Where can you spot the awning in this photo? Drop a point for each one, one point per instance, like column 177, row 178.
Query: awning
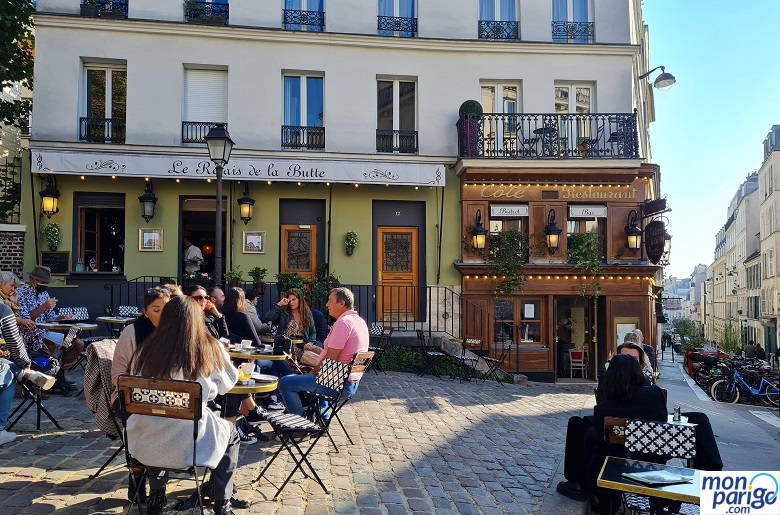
column 246, row 168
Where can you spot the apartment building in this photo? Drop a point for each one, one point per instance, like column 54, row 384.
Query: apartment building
column 770, row 238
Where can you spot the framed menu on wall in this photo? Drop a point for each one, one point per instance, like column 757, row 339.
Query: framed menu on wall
column 57, row 260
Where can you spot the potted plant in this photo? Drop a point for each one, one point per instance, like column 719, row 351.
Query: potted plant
column 89, row 8
column 201, row 278
column 469, row 113
column 53, row 234
column 286, row 282
column 350, row 242
column 234, row 277
column 258, row 279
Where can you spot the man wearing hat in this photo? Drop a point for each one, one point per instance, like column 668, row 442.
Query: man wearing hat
column 36, row 304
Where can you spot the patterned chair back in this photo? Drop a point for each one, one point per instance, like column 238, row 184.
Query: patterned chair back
column 473, row 342
column 64, row 311
column 376, row 330
column 81, row 313
column 333, row 374
column 661, row 438
column 128, row 311
column 615, row 430
column 167, row 398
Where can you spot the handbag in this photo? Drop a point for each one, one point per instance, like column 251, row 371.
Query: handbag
column 282, row 345
column 310, row 358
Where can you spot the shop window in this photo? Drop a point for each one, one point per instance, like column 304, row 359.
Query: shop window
column 100, row 234
column 523, row 315
column 530, row 321
column 509, row 217
column 590, row 220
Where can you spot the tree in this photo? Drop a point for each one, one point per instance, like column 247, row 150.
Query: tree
column 729, row 339
column 16, row 56
column 684, row 327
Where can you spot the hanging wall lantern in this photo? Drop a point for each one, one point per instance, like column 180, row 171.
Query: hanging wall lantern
column 479, row 233
column 148, row 202
column 246, row 205
column 633, row 232
column 50, row 197
column 552, row 232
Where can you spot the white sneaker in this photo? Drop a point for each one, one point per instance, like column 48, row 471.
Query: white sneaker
column 6, row 436
column 40, row 379
column 276, row 406
column 245, row 438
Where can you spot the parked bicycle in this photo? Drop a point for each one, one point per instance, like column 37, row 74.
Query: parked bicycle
column 750, row 380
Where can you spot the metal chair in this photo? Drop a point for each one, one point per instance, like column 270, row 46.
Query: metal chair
column 128, row 311
column 465, row 362
column 166, row 398
column 383, row 342
column 494, row 364
column 578, row 359
column 430, row 355
column 31, row 396
column 292, row 429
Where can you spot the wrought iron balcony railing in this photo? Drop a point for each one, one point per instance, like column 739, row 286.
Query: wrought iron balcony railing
column 548, row 136
column 392, row 25
column 403, row 142
column 105, row 8
column 313, row 21
column 206, row 13
column 195, row 132
column 572, row 31
column 298, row 137
column 500, row 30
column 102, row 130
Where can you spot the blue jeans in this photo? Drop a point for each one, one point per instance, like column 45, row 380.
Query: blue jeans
column 290, row 387
column 8, row 374
column 277, row 367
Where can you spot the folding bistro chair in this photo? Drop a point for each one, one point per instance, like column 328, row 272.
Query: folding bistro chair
column 166, row 398
column 292, row 429
column 465, row 362
column 494, row 364
column 382, row 343
column 578, row 360
column 128, row 311
column 31, row 396
column 430, row 356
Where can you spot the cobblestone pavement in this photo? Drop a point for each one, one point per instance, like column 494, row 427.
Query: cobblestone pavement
column 421, row 445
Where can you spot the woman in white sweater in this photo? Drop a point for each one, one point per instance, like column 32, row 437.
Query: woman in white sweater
column 181, row 348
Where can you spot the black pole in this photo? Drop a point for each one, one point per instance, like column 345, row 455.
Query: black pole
column 441, row 223
column 218, row 236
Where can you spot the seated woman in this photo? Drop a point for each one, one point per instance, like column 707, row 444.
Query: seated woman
column 292, row 317
column 215, row 321
column 181, row 348
column 238, row 321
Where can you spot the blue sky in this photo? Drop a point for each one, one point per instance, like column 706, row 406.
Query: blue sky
column 710, row 126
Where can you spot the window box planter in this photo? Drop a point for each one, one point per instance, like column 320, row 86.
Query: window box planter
column 89, row 10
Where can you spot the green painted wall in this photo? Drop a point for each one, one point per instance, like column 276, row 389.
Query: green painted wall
column 351, row 211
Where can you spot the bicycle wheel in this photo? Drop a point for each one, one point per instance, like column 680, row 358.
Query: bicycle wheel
column 720, row 391
column 772, row 397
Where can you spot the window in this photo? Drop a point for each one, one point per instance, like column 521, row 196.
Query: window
column 105, row 104
column 498, row 20
column 205, row 102
column 397, row 17
column 308, row 15
column 501, row 135
column 396, row 118
column 573, row 98
column 576, row 133
column 570, row 21
column 99, row 219
column 303, row 112
column 588, row 219
column 509, row 217
column 769, row 263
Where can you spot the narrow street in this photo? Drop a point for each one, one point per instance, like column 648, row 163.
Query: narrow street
column 748, row 436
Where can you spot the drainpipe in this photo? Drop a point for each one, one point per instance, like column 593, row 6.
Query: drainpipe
column 441, row 222
column 34, row 217
column 330, row 211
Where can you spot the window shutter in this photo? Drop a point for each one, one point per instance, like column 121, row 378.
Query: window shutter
column 205, row 95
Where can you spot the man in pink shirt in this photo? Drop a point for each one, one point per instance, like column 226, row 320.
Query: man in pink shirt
column 348, row 336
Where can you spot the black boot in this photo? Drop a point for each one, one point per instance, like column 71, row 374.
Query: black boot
column 222, row 507
column 157, row 502
column 137, row 484
column 239, row 504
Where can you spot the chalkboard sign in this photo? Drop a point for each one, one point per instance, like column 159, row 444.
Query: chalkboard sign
column 57, row 260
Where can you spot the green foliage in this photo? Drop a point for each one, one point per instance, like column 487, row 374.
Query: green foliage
column 16, row 56
column 509, row 252
column 234, row 274
column 583, row 252
column 684, row 327
column 407, row 359
column 257, row 274
column 53, row 234
column 729, row 339
column 470, row 107
column 286, row 282
column 10, row 198
column 319, row 289
column 351, row 241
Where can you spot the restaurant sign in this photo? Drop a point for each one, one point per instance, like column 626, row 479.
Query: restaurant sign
column 587, row 211
column 655, row 241
column 187, row 166
column 508, row 210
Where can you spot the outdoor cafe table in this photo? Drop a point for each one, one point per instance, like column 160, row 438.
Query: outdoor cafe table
column 256, row 355
column 264, row 387
column 121, row 321
column 611, row 477
column 58, row 326
column 270, row 339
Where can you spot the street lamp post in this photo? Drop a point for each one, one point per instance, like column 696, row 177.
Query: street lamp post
column 220, row 145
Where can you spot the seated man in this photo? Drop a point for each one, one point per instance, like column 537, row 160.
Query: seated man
column 36, row 304
column 348, row 337
column 649, row 350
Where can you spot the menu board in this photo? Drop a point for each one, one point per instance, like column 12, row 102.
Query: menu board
column 57, row 260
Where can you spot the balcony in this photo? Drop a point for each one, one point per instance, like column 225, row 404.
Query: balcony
column 206, row 13
column 499, row 30
column 195, row 132
column 548, row 136
column 312, row 21
column 572, row 31
column 102, row 130
column 396, row 26
column 104, row 9
column 401, row 142
column 296, row 137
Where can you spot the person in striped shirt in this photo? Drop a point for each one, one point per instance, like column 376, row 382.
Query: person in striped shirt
column 14, row 361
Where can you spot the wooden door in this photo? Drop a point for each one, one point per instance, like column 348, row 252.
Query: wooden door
column 299, row 250
column 397, row 290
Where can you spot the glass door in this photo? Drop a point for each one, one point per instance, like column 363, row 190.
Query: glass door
column 500, row 134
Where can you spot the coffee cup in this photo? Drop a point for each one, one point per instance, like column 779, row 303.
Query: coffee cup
column 246, row 344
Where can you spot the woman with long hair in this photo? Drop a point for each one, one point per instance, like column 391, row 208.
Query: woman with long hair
column 181, row 348
column 238, row 321
column 292, row 316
